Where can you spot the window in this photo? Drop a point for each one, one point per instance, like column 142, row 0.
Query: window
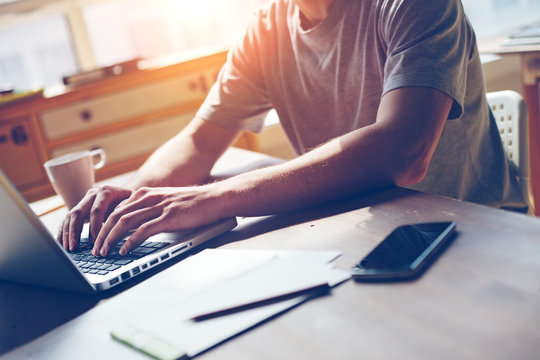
column 62, row 37
column 120, row 30
column 36, row 54
column 497, row 17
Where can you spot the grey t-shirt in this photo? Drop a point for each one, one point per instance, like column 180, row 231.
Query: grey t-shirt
column 328, row 80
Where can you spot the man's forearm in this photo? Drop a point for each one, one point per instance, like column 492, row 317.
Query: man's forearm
column 334, row 170
column 396, row 150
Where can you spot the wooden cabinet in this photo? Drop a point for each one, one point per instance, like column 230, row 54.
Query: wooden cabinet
column 19, row 157
column 108, row 109
column 130, row 142
column 128, row 115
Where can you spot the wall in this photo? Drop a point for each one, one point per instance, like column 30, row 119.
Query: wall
column 502, row 73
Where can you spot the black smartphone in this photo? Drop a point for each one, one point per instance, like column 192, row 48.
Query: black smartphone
column 405, row 253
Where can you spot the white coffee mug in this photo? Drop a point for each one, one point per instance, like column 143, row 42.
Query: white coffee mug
column 72, row 175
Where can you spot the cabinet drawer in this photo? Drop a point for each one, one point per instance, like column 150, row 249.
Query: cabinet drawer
column 19, row 159
column 102, row 110
column 132, row 142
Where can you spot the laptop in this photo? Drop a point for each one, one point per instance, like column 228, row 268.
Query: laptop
column 29, row 254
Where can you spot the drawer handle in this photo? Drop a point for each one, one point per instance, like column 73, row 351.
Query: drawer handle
column 19, row 135
column 198, row 84
column 86, row 115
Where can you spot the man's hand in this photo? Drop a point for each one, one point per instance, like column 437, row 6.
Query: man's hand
column 96, row 205
column 185, row 159
column 150, row 211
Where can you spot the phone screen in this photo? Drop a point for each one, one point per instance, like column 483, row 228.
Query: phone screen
column 404, row 252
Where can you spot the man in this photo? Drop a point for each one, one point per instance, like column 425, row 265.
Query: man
column 364, row 90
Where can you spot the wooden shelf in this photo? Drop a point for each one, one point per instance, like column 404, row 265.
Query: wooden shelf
column 129, row 115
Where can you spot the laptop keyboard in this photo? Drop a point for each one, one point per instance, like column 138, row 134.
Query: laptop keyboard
column 90, row 264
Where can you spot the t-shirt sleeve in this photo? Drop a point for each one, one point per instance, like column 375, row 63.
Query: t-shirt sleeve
column 238, row 99
column 428, row 44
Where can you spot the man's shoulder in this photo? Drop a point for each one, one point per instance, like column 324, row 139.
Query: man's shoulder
column 270, row 13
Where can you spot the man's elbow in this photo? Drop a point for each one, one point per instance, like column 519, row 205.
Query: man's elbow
column 412, row 172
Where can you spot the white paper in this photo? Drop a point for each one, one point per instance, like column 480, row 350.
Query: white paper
column 274, row 278
column 160, row 306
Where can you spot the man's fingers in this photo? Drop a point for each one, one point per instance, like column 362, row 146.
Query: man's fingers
column 128, row 215
column 150, row 228
column 119, row 223
column 74, row 221
column 106, row 199
column 97, row 215
column 65, row 234
column 75, row 226
column 96, row 204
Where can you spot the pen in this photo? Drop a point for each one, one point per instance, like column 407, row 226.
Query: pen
column 309, row 293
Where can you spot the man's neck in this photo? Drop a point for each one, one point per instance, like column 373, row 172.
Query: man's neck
column 313, row 11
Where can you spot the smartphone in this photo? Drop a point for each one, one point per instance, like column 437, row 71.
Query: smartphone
column 405, row 253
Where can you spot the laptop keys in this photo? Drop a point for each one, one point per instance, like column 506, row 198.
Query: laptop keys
column 90, row 264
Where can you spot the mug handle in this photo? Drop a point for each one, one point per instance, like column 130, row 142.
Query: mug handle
column 102, row 157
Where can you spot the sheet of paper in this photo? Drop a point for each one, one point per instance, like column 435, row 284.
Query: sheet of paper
column 274, row 278
column 157, row 306
column 270, row 269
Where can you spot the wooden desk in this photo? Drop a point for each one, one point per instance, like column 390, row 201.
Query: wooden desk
column 530, row 75
column 480, row 300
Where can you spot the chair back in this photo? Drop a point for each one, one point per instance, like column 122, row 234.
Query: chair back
column 510, row 113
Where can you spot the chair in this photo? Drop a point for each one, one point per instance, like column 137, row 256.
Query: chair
column 510, row 114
